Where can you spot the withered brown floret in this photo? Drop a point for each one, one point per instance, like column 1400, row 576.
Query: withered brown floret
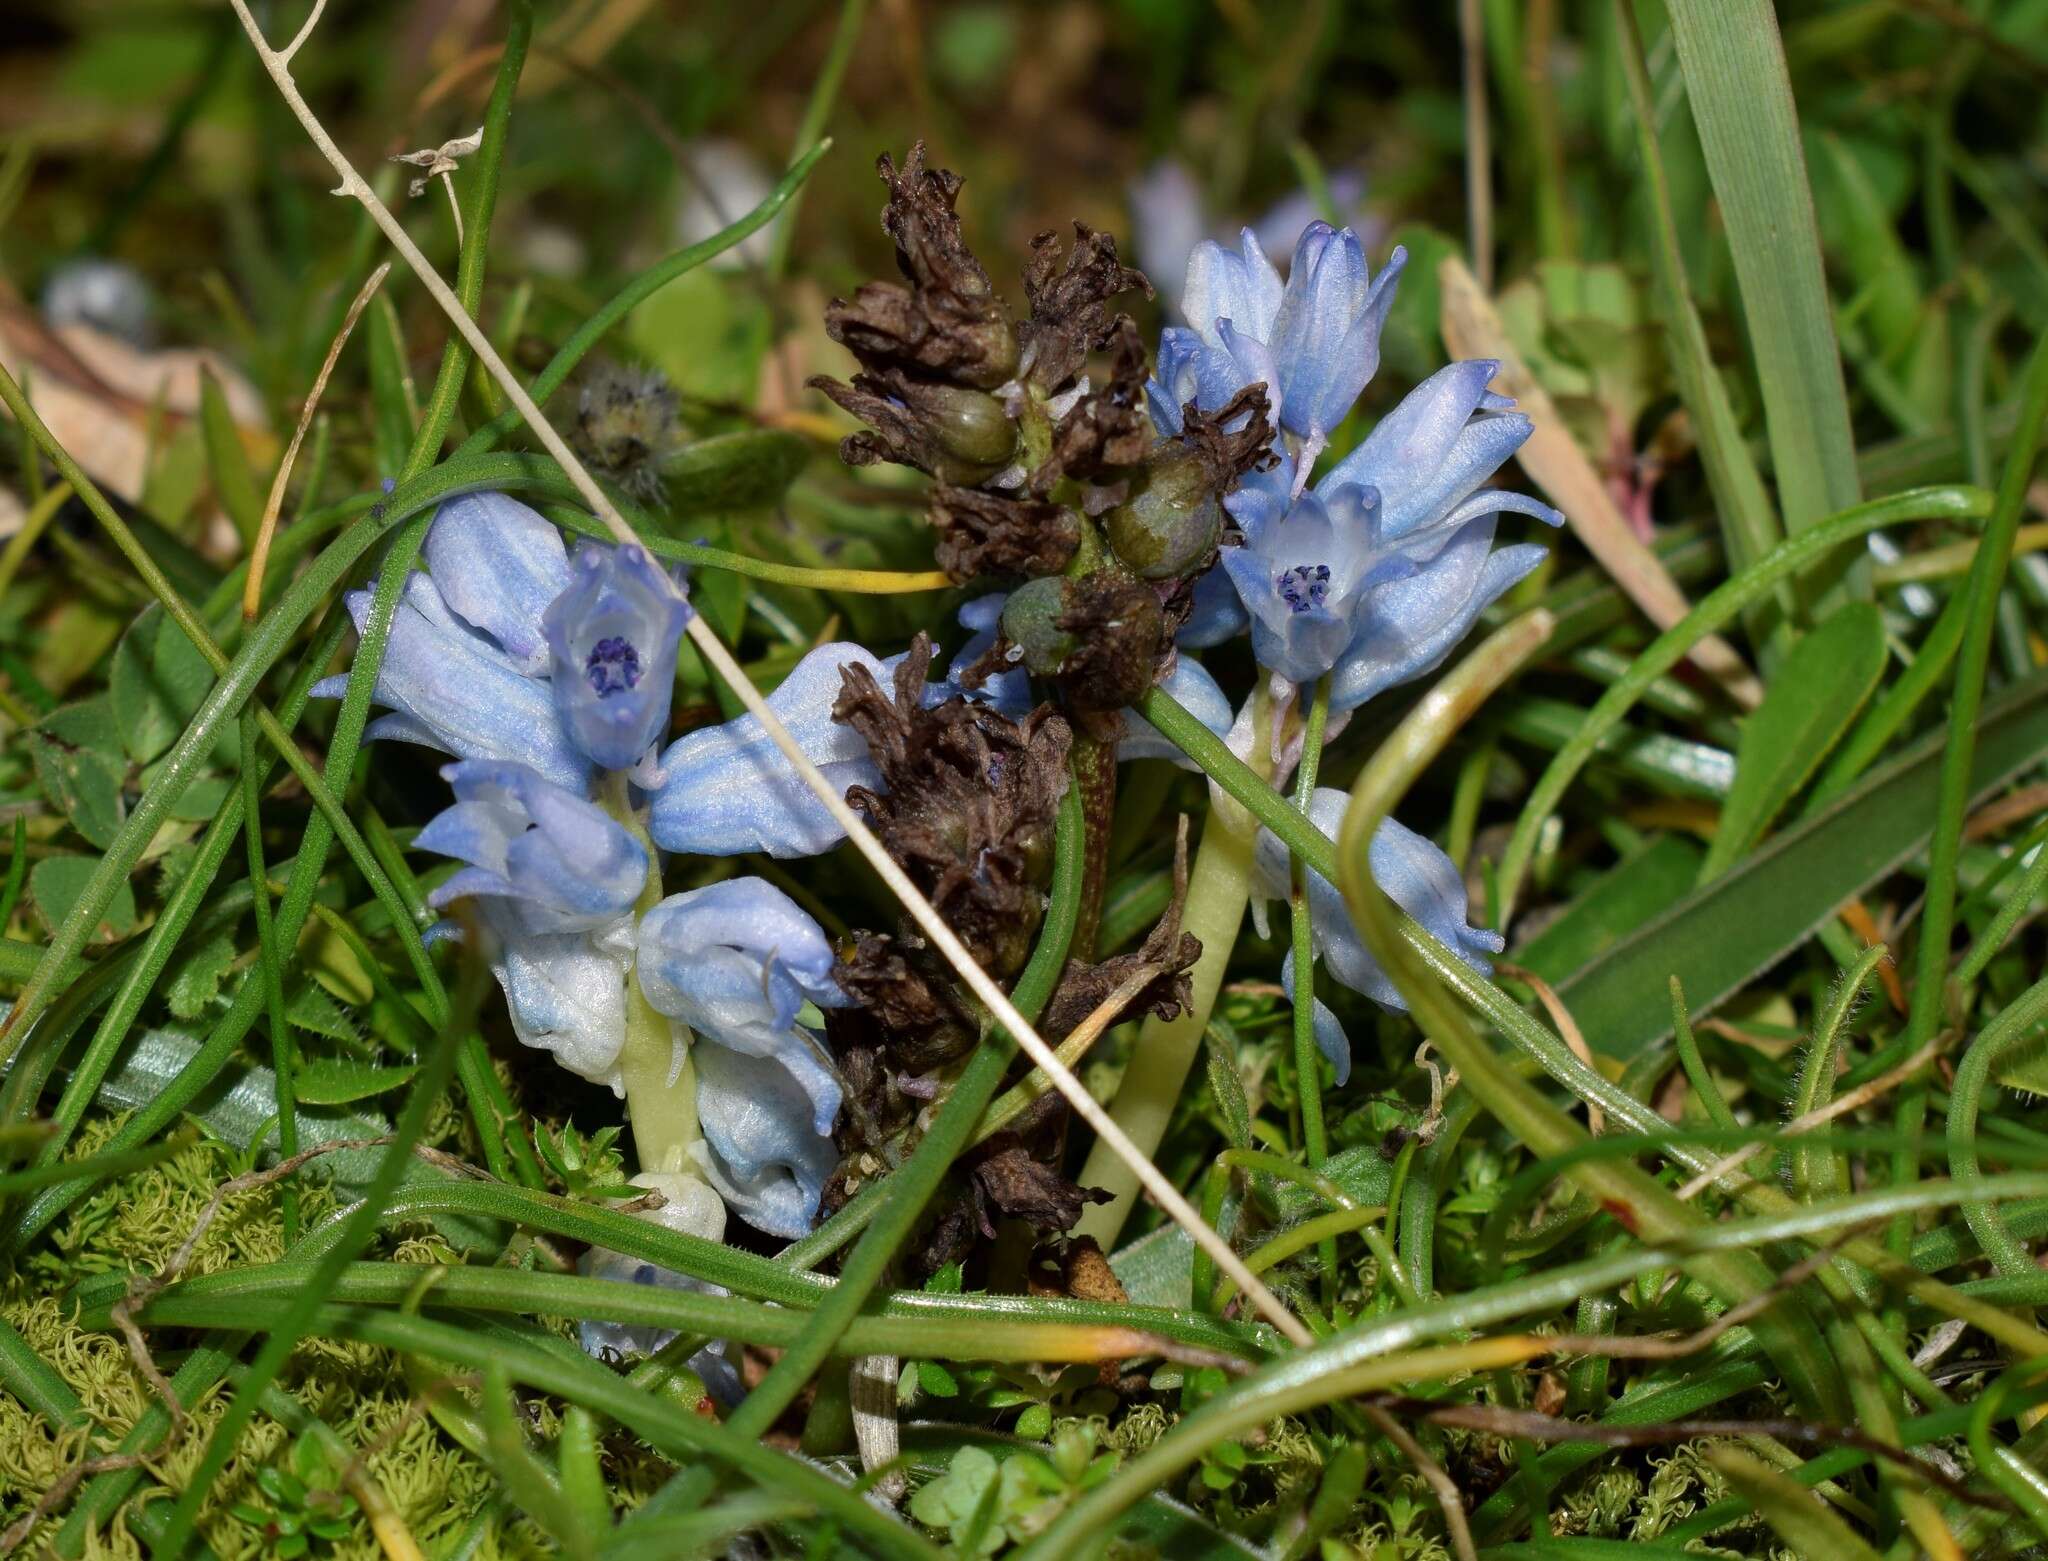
column 1108, row 428
column 968, row 803
column 1013, row 1183
column 1226, row 452
column 948, row 324
column 1119, row 633
column 1069, row 299
column 954, row 433
column 984, row 533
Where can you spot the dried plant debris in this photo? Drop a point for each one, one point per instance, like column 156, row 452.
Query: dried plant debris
column 948, row 324
column 967, row 805
column 1069, row 299
column 991, row 534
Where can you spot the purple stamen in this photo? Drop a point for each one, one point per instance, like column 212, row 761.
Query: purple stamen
column 1304, row 586
column 613, row 667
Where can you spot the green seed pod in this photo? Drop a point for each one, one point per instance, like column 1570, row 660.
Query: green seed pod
column 1031, row 623
column 970, row 429
column 1173, row 520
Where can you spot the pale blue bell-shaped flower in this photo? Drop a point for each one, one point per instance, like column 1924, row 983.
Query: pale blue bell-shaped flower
column 728, row 789
column 735, row 961
column 464, row 669
column 565, row 863
column 565, row 991
column 1375, row 585
column 759, row 1150
column 555, row 880
column 1326, row 334
column 1411, row 870
column 612, row 638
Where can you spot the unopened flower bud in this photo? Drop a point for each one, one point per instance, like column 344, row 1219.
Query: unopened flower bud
column 1172, row 521
column 1031, row 622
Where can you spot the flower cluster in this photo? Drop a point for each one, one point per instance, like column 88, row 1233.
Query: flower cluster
column 1373, row 575
column 1122, row 522
column 549, row 678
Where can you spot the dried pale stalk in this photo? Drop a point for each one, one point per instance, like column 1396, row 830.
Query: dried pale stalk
column 259, row 556
column 992, row 996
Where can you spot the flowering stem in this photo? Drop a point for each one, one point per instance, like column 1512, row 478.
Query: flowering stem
column 661, row 1093
column 1308, row 1066
column 1218, row 891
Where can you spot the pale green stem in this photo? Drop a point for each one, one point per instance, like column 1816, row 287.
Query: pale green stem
column 1219, row 888
column 661, row 1085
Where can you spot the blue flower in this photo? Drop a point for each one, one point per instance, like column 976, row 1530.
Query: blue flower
column 693, row 1208
column 612, row 638
column 735, row 961
column 1378, row 572
column 562, row 862
column 1314, row 340
column 1326, row 335
column 555, row 882
column 758, row 1150
column 1413, row 873
column 453, row 687
column 728, row 789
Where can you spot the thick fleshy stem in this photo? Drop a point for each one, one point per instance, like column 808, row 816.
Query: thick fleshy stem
column 661, row 1085
column 1219, row 888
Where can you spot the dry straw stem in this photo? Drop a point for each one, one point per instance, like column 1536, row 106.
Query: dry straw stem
column 259, row 556
column 277, row 65
column 1473, row 330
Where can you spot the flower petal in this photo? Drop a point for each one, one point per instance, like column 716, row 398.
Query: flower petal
column 498, row 563
column 1242, row 288
column 566, row 992
column 454, row 687
column 612, row 637
column 570, row 865
column 727, row 789
column 760, row 1149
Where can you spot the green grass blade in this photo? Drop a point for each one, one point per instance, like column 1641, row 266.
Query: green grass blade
column 1771, row 903
column 1815, row 695
column 1740, row 91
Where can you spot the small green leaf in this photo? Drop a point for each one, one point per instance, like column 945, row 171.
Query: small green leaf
column 335, row 1081
column 197, row 981
column 159, row 681
column 1816, row 694
column 56, row 882
column 1035, row 1422
column 1226, row 1088
column 80, row 766
column 936, row 1380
